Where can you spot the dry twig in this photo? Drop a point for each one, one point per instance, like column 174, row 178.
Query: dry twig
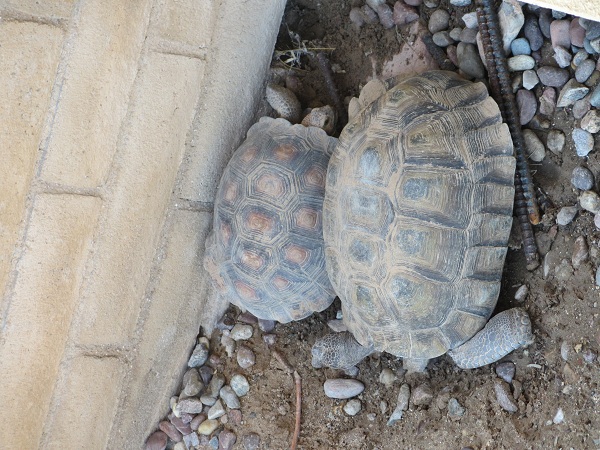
column 298, row 383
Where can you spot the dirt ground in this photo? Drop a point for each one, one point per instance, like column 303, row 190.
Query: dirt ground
column 563, row 306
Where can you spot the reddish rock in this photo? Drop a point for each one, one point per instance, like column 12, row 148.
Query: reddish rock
column 157, row 441
column 560, row 33
column 170, row 430
column 576, row 33
column 404, row 14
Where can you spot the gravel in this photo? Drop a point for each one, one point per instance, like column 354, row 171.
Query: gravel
column 591, row 121
column 455, row 408
column 571, row 92
column 585, row 70
column 504, row 396
column 582, row 178
column 353, row 407
column 239, row 384
column 438, row 21
column 590, row 201
column 555, row 141
column 241, row 332
column 342, row 388
column 245, row 357
column 520, row 62
column 566, row 215
column 584, row 141
column 506, row 371
column 553, row 76
column 469, row 61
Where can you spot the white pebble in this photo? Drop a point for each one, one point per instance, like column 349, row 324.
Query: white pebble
column 403, row 398
column 353, row 407
column 590, row 201
column 239, row 384
column 559, row 416
column 342, row 388
column 241, row 332
column 387, row 377
column 521, row 293
column 535, row 147
column 470, row 20
column 566, row 215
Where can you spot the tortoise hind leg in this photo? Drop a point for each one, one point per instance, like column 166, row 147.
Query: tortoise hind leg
column 504, row 333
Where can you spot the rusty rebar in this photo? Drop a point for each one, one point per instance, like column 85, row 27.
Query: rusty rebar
column 325, row 67
column 526, row 207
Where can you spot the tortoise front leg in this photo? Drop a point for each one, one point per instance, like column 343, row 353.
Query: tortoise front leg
column 338, row 351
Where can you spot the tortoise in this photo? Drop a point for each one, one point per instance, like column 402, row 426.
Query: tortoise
column 416, row 221
column 265, row 252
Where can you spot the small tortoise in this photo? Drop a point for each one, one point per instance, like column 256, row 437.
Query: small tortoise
column 416, row 220
column 265, row 253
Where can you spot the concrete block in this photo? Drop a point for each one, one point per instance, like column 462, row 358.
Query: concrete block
column 138, row 194
column 41, row 308
column 85, row 404
column 187, row 21
column 60, row 9
column 93, row 103
column 166, row 336
column 30, row 55
column 238, row 68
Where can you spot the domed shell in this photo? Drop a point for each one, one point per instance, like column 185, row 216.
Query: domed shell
column 417, row 215
column 265, row 253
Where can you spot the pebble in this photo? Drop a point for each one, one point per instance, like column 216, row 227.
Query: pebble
column 451, row 52
column 208, row 426
column 527, row 105
column 247, row 317
column 521, row 293
column 239, row 384
column 520, row 46
column 590, row 201
column 588, row 47
column 598, row 276
column 592, row 28
column 591, row 121
column 200, row 353
column 535, row 147
column 387, row 377
column 226, row 440
column 584, row 141
column 245, row 357
column 595, row 97
column 192, row 384
column 438, row 21
column 470, row 20
column 530, row 79
column 353, row 407
column 581, row 107
column 553, row 76
column 565, row 350
column 581, row 252
column 566, row 215
column 460, row 2
column 179, row 446
column 548, row 101
column 230, row 397
column 357, row 17
column 594, row 79
column 235, row 417
column 579, row 57
column 506, row 370
column 191, row 405
column 386, row 15
column 184, row 427
column 469, row 61
column 401, row 406
column 504, row 396
column 216, row 410
column 404, row 14
column 206, row 373
column 455, row 409
column 215, row 385
column 214, row 443
column 582, row 178
column 589, row 356
column 369, row 15
column 468, row 35
column 585, row 70
column 197, row 420
column 544, row 22
column 170, row 430
column 269, row 339
column 511, row 18
column 413, row 2
column 442, row 39
column 558, row 417
column 595, row 44
column 157, row 441
column 241, row 332
column 532, row 32
column 342, row 388
column 422, row 395
column 251, row 441
column 570, row 93
column 229, row 344
column 560, row 33
column 520, row 62
column 597, row 221
column 558, row 14
column 562, row 57
column 337, row 325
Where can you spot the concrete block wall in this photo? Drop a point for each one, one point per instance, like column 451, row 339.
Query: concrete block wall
column 117, row 120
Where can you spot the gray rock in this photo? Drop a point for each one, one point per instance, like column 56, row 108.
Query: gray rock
column 585, row 70
column 342, row 388
column 592, row 30
column 571, row 92
column 469, row 61
column 559, row 417
column 170, row 430
column 208, row 426
column 468, row 35
column 216, row 410
column 530, row 79
column 591, row 121
column 269, row 339
column 369, row 15
column 535, row 148
column 247, row 317
column 215, row 385
column 245, row 357
column 226, row 440
column 251, row 441
column 598, row 276
column 214, row 441
column 559, row 33
column 521, row 293
column 581, row 107
column 527, row 105
column 422, row 395
column 208, row 400
column 241, row 332
column 544, row 22
column 511, row 18
column 386, row 15
column 460, row 2
column 190, row 405
column 579, row 57
column 228, row 343
column 589, row 356
column 387, row 377
column 588, row 47
column 455, row 409
column 470, row 20
column 597, row 221
column 506, row 371
column 404, row 14
column 504, row 396
column 595, row 44
column 229, row 397
column 520, row 62
column 157, row 441
column 532, row 32
column 200, row 353
column 553, row 76
column 581, row 252
column 516, row 81
column 548, row 101
column 438, row 21
column 595, row 97
column 239, row 384
column 353, row 407
column 192, row 384
column 566, row 215
column 520, row 46
column 558, row 14
column 266, row 325
column 590, row 201
column 442, row 39
column 401, row 406
column 562, row 56
column 191, row 440
column 584, row 141
column 455, row 33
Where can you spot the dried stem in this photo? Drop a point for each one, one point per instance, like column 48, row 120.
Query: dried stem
column 298, row 383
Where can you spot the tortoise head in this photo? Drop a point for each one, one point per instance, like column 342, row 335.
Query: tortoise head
column 323, row 117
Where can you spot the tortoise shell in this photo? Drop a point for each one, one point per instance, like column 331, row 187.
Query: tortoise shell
column 417, row 215
column 265, row 253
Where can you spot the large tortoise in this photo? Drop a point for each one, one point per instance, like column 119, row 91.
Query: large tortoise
column 265, row 253
column 417, row 215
